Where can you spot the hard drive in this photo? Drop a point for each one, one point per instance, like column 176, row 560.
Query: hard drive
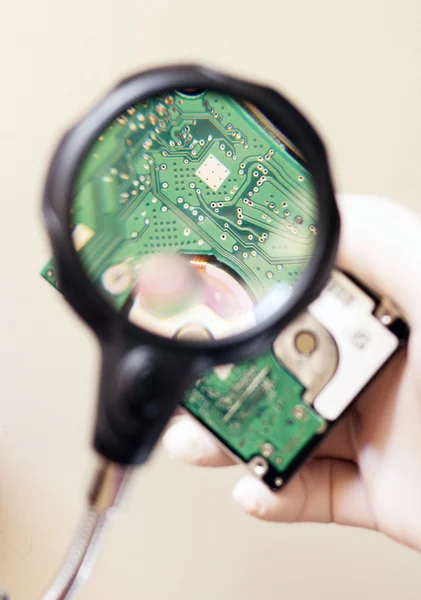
column 271, row 412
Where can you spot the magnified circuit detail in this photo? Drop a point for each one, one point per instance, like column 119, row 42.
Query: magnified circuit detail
column 198, row 175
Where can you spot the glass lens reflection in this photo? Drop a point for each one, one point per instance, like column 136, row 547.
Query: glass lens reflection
column 194, row 216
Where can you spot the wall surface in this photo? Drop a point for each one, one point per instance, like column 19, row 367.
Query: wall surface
column 355, row 69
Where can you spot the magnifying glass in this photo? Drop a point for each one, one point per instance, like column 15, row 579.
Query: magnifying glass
column 192, row 216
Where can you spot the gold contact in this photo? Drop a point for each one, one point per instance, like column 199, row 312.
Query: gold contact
column 199, row 263
column 161, row 109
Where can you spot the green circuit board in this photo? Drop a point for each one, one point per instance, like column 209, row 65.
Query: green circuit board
column 199, row 175
column 256, row 409
column 205, row 175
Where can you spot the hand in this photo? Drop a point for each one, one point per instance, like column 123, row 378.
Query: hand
column 368, row 472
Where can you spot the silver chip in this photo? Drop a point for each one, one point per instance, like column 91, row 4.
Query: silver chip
column 212, row 172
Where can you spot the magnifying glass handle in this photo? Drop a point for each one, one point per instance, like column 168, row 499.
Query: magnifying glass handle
column 140, row 388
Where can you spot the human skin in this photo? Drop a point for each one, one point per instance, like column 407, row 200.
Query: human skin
column 368, row 472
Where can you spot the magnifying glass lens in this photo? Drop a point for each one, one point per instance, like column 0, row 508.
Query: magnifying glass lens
column 194, row 216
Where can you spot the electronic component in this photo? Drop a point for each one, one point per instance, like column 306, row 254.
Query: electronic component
column 212, row 172
column 257, row 411
column 272, row 411
column 207, row 180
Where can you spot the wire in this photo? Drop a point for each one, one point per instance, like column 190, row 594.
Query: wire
column 78, row 564
column 109, row 482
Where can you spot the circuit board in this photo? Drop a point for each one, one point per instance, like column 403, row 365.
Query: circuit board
column 204, row 175
column 255, row 408
column 197, row 175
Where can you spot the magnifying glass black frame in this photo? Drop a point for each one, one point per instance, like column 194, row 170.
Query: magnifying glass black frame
column 143, row 374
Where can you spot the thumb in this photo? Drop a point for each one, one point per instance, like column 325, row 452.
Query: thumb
column 381, row 244
column 325, row 490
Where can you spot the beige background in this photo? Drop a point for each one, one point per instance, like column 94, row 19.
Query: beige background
column 355, row 68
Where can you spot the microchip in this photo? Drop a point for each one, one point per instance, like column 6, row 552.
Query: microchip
column 212, row 172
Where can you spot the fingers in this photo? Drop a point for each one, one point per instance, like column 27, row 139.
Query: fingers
column 381, row 244
column 188, row 441
column 324, row 491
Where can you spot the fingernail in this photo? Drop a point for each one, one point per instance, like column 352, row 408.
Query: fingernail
column 247, row 492
column 181, row 446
